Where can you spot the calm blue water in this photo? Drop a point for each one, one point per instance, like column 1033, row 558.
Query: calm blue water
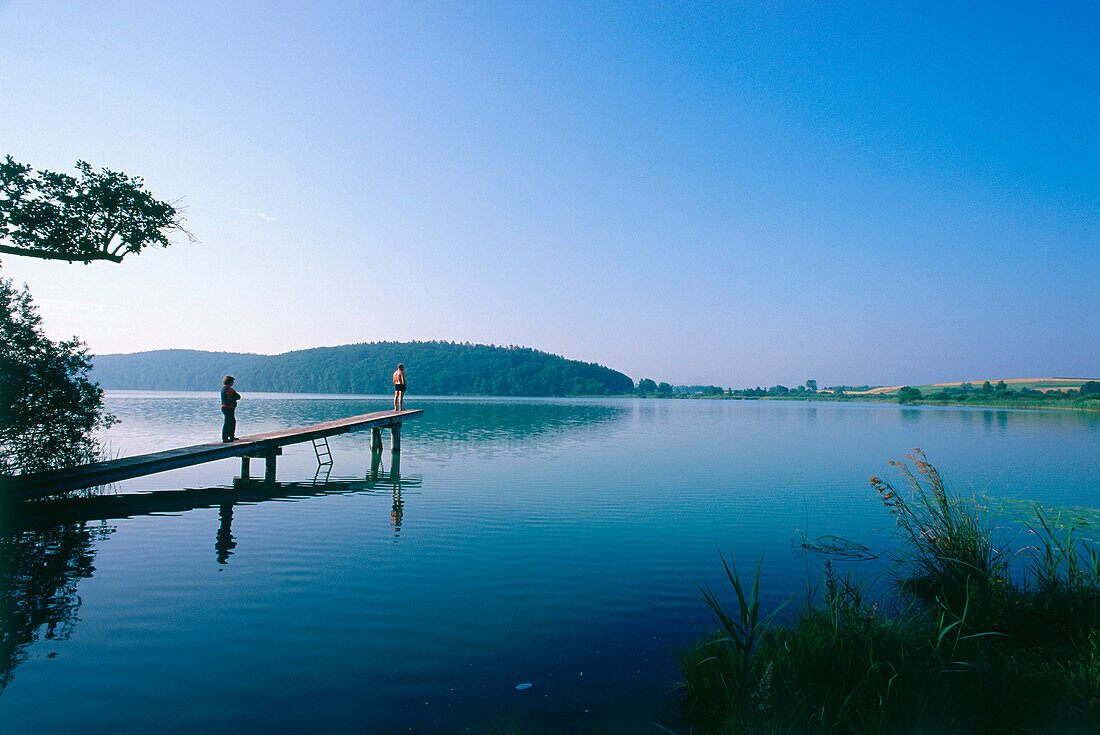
column 556, row 543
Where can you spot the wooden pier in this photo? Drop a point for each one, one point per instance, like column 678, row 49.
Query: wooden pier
column 267, row 446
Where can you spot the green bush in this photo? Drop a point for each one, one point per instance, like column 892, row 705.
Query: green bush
column 908, row 394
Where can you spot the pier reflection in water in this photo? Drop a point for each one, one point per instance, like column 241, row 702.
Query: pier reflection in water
column 48, row 547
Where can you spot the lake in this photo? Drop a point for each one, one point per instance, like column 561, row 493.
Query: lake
column 521, row 562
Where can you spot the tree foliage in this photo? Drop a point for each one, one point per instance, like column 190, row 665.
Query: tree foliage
column 49, row 409
column 433, row 368
column 908, row 394
column 98, row 215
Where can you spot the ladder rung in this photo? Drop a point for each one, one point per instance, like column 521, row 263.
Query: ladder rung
column 321, row 448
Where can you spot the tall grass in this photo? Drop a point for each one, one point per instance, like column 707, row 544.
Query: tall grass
column 962, row 647
column 725, row 667
column 947, row 547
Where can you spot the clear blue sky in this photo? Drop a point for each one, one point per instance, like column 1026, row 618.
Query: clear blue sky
column 738, row 194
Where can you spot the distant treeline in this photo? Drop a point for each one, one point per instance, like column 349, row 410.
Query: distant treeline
column 433, row 368
column 1086, row 396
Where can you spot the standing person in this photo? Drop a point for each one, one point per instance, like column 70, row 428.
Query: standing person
column 229, row 408
column 399, row 388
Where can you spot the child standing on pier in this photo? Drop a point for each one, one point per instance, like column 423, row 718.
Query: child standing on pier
column 229, row 409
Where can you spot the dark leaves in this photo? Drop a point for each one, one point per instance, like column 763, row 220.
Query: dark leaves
column 49, row 410
column 98, row 215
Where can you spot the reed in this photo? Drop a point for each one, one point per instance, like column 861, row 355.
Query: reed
column 961, row 647
column 947, row 547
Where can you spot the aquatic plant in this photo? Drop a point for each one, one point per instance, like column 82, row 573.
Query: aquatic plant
column 948, row 549
column 960, row 647
column 725, row 666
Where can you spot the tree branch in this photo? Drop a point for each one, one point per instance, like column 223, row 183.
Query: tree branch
column 58, row 217
column 108, row 236
column 107, row 245
column 52, row 255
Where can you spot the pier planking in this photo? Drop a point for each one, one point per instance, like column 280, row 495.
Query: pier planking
column 267, row 445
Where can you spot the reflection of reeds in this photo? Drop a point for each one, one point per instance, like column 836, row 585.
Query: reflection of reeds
column 963, row 647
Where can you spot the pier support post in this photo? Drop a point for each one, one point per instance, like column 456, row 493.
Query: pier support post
column 376, row 439
column 268, row 454
column 395, row 438
column 375, row 463
column 269, row 467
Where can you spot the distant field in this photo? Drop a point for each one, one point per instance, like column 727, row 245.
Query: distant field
column 1059, row 384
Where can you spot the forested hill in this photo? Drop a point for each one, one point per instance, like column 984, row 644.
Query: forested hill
column 432, row 368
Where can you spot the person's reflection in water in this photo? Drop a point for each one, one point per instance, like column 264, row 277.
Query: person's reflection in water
column 225, row 544
column 397, row 512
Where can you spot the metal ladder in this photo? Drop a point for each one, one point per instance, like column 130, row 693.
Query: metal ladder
column 324, row 455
